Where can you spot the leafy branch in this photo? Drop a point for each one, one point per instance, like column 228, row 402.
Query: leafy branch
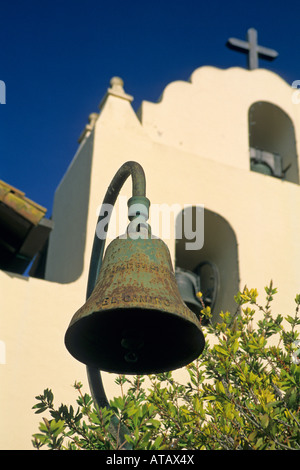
column 243, row 392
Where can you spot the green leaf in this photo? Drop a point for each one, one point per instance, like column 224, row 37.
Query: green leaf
column 158, row 442
column 56, row 427
column 40, row 408
column 252, row 435
column 259, row 443
column 220, row 387
column 221, row 350
column 41, row 437
column 236, row 346
column 264, row 419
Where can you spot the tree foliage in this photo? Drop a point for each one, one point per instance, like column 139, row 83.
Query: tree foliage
column 243, row 392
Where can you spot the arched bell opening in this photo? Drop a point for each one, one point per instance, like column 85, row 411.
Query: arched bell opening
column 212, row 268
column 272, row 142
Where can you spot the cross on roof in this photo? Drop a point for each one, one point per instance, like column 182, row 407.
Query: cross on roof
column 251, row 48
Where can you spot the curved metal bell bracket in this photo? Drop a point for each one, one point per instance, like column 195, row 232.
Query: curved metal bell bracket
column 162, row 307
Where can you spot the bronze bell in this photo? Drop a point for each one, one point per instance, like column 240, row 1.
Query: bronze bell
column 189, row 284
column 135, row 321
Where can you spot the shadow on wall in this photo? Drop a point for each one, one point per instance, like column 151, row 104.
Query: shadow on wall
column 63, row 258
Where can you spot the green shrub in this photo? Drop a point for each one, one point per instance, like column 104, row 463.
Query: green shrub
column 243, row 392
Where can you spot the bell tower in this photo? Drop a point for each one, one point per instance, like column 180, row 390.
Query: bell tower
column 234, row 137
column 225, row 140
column 220, row 152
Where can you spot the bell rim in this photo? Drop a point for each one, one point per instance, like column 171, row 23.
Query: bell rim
column 168, row 351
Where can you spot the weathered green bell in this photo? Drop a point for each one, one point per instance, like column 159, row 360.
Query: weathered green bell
column 135, row 321
column 259, row 167
column 187, row 284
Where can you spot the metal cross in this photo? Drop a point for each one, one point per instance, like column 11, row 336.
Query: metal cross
column 252, row 48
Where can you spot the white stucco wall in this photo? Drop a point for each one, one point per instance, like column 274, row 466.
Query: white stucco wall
column 193, row 146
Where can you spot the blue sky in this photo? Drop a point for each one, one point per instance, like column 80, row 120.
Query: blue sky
column 57, row 58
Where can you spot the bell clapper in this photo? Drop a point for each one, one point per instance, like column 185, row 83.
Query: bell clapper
column 133, row 343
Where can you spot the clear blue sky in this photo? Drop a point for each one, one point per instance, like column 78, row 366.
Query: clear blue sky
column 57, row 58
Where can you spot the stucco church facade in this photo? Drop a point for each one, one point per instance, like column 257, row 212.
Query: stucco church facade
column 226, row 141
